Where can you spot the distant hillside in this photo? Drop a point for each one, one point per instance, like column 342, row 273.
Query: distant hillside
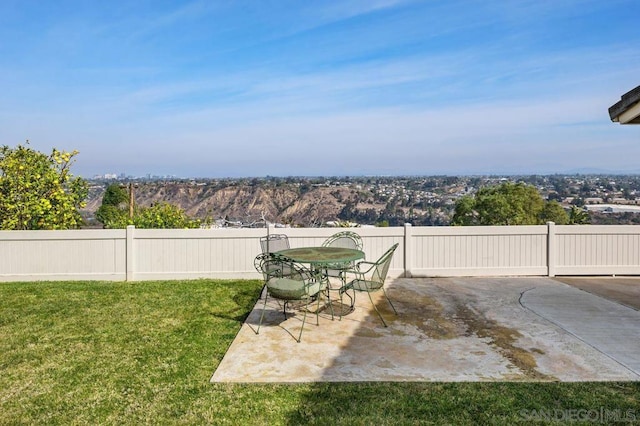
column 419, row 200
column 296, row 204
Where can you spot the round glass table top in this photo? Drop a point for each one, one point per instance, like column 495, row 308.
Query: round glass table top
column 321, row 255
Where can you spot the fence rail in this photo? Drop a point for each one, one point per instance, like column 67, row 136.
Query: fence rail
column 146, row 254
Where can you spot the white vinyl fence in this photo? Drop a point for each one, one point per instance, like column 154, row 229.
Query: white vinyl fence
column 146, row 254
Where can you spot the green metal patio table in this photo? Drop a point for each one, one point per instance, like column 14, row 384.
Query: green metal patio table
column 320, row 258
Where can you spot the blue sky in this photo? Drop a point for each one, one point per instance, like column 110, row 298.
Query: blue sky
column 347, row 87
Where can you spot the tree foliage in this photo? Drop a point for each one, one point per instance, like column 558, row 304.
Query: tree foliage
column 115, row 195
column 114, row 213
column 113, row 217
column 507, row 204
column 37, row 191
column 163, row 216
column 578, row 216
column 552, row 211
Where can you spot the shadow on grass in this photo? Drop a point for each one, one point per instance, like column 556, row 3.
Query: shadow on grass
column 468, row 403
column 237, row 311
column 506, row 402
column 364, row 403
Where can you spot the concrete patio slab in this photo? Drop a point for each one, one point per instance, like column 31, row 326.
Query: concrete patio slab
column 447, row 329
column 607, row 326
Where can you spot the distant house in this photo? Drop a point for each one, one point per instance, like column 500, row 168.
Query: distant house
column 593, row 200
column 612, row 208
column 627, row 110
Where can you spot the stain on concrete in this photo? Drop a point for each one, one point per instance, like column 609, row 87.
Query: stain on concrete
column 423, row 312
column 463, row 320
column 368, row 332
column 503, row 338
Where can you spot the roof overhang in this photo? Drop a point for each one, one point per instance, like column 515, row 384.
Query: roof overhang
column 627, row 110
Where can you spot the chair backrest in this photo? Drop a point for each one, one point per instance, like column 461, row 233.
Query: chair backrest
column 271, row 265
column 292, row 270
column 346, row 239
column 268, row 265
column 274, row 242
column 299, row 282
column 382, row 265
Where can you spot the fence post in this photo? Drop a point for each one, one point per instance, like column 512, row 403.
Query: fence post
column 271, row 229
column 551, row 249
column 130, row 258
column 408, row 249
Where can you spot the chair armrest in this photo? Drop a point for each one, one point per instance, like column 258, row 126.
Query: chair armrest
column 360, row 269
column 358, row 266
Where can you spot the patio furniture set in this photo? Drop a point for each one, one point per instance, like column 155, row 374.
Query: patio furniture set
column 308, row 275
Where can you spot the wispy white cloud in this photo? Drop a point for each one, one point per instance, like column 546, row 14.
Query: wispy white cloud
column 403, row 86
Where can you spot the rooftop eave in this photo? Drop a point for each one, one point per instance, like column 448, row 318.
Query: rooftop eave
column 627, row 110
column 630, row 116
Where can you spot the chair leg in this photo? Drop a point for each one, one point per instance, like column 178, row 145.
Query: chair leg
column 328, row 299
column 376, row 308
column 352, row 300
column 389, row 300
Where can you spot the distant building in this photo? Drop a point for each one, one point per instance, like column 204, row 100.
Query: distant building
column 593, row 200
column 612, row 208
column 106, row 176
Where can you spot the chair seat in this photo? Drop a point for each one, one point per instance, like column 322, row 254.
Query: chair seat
column 290, row 289
column 337, row 269
column 339, row 265
column 364, row 285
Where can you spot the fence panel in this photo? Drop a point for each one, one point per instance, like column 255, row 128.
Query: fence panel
column 62, row 255
column 195, row 253
column 598, row 250
column 144, row 254
column 479, row 251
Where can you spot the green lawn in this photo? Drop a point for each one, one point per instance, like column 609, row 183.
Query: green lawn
column 143, row 353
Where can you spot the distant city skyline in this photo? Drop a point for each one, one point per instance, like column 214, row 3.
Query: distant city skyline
column 151, row 176
column 332, row 88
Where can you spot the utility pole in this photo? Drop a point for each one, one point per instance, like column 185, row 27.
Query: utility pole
column 131, row 200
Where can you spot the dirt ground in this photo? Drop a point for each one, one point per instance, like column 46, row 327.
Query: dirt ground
column 623, row 290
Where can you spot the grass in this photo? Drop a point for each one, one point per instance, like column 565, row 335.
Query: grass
column 143, row 353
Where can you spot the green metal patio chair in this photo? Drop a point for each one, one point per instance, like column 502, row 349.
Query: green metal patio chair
column 288, row 281
column 269, row 265
column 346, row 239
column 370, row 277
column 270, row 244
column 274, row 242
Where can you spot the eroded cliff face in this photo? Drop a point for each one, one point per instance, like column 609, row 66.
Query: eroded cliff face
column 311, row 206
